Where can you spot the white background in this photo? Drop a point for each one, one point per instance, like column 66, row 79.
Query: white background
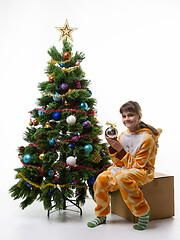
column 132, row 53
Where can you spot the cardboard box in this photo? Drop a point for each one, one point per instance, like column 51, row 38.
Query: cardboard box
column 159, row 194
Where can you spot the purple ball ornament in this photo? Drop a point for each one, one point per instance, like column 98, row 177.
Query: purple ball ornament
column 86, row 124
column 63, row 87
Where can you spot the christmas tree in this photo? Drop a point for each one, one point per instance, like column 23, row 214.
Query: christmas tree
column 64, row 154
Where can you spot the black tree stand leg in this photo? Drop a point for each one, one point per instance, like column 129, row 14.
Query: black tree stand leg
column 65, row 206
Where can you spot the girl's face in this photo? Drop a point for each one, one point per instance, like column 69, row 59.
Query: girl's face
column 131, row 120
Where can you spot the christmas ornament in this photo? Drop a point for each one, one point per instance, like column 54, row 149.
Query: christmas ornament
column 35, row 122
column 66, row 31
column 62, row 65
column 66, row 55
column 41, row 156
column 56, row 97
column 51, row 172
column 52, row 142
column 40, row 112
column 74, row 181
column 50, row 192
column 88, row 148
column 103, row 154
column 56, row 116
column 71, row 161
column 64, row 87
column 92, row 180
column 75, row 139
column 71, row 145
column 30, row 123
column 89, row 92
column 86, row 124
column 21, row 149
column 83, row 106
column 97, row 157
column 78, row 84
column 111, row 131
column 71, row 119
column 93, row 112
column 28, row 184
column 77, row 63
column 51, row 79
column 27, row 158
column 47, row 125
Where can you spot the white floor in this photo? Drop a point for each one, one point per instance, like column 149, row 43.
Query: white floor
column 33, row 224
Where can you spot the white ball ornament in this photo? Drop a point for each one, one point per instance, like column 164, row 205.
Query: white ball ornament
column 71, row 119
column 71, row 160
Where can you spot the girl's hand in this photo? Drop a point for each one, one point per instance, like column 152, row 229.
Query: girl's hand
column 114, row 144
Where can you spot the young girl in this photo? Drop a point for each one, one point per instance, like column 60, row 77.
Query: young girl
column 133, row 157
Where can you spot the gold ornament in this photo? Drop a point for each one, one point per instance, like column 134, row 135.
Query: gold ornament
column 47, row 125
column 41, row 156
column 97, row 158
column 66, row 31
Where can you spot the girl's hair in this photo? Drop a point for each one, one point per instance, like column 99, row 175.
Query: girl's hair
column 134, row 107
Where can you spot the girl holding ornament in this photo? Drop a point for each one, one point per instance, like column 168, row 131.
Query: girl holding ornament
column 133, row 156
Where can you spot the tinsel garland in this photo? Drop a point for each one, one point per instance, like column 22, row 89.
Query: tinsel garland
column 20, row 175
column 63, row 95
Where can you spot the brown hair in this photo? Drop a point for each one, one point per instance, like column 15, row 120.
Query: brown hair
column 134, row 107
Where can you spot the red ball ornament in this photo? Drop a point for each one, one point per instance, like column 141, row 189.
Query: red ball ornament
column 51, row 79
column 35, row 122
column 66, row 55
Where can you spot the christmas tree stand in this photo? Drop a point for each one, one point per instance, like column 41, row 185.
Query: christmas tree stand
column 66, row 207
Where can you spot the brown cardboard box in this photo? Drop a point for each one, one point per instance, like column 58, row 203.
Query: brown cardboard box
column 159, row 194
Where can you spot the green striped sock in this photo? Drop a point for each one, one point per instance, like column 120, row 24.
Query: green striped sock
column 97, row 221
column 142, row 222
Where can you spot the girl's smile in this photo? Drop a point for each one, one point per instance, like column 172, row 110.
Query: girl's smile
column 131, row 120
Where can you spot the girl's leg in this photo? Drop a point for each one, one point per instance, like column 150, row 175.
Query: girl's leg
column 129, row 181
column 102, row 186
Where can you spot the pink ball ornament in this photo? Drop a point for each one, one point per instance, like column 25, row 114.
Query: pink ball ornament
column 77, row 63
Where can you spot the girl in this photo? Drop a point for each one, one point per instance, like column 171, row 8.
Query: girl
column 133, row 157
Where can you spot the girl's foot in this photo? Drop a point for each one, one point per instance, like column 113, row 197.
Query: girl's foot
column 142, row 222
column 97, row 221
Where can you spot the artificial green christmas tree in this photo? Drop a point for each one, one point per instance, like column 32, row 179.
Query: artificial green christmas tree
column 64, row 154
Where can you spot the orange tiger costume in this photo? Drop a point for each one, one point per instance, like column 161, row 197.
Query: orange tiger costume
column 134, row 167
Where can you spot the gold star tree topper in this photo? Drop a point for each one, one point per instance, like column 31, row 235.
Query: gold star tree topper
column 66, row 31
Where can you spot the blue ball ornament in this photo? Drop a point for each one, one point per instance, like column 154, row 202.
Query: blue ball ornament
column 103, row 154
column 89, row 92
column 92, row 180
column 51, row 172
column 56, row 116
column 88, row 148
column 56, row 97
column 40, row 112
column 62, row 65
column 52, row 142
column 71, row 145
column 27, row 158
column 83, row 106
